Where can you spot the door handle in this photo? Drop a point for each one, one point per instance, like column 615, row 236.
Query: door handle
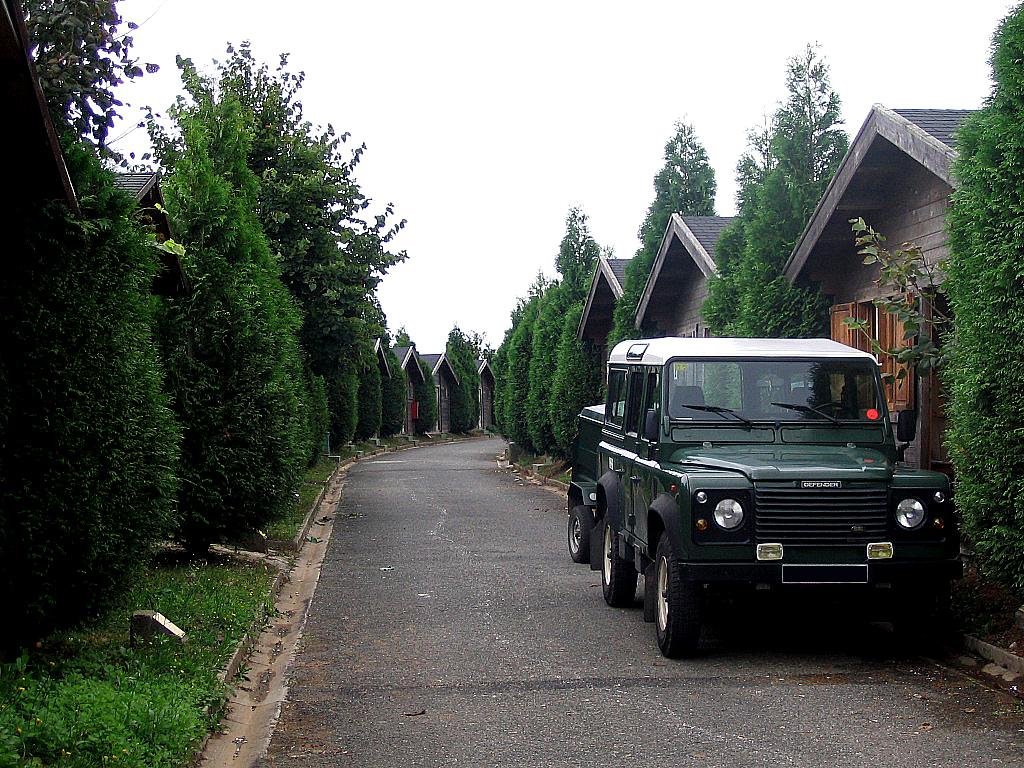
column 618, row 471
column 635, row 478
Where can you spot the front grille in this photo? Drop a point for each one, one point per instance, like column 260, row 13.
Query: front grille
column 788, row 514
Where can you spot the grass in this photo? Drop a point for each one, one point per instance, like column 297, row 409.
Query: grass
column 314, row 481
column 86, row 698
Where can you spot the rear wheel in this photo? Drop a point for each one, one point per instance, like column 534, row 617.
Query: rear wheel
column 678, row 610
column 618, row 576
column 579, row 534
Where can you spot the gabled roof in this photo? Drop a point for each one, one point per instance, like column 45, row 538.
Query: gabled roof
column 409, row 361
column 697, row 235
column 923, row 135
column 382, row 359
column 136, row 184
column 439, row 361
column 482, row 365
column 34, row 163
column 610, row 273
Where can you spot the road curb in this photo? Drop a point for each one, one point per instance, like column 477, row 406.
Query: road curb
column 542, row 479
column 995, row 654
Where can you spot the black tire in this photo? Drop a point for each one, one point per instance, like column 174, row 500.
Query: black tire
column 618, row 576
column 578, row 534
column 923, row 620
column 678, row 613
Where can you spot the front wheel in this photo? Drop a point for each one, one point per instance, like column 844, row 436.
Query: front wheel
column 678, row 609
column 579, row 534
column 618, row 576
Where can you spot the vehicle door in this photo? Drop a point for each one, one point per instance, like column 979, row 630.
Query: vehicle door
column 611, row 456
column 643, row 477
column 631, row 440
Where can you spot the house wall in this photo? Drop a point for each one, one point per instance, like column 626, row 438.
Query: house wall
column 486, row 403
column 916, row 214
column 677, row 300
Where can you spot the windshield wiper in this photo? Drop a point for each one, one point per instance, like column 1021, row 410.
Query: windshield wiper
column 809, row 409
column 719, row 410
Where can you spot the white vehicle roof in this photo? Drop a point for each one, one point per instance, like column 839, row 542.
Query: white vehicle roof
column 658, row 351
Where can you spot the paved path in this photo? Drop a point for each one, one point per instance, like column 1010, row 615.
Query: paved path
column 451, row 628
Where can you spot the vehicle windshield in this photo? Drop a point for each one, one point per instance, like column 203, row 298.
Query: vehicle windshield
column 803, row 391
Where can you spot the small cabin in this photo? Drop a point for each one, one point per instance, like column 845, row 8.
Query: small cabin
column 896, row 176
column 409, row 362
column 445, row 381
column 675, row 291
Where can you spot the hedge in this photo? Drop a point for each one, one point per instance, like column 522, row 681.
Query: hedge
column 576, row 383
column 984, row 277
column 88, row 445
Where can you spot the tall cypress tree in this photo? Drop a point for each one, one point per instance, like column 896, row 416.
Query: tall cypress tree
column 684, row 185
column 986, row 369
column 234, row 366
column 781, row 178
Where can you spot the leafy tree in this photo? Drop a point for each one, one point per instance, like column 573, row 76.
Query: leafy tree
column 426, row 395
column 369, row 398
column 88, row 444
column 235, row 368
column 781, row 178
column 333, row 255
column 577, row 257
column 577, row 381
column 463, row 351
column 546, row 332
column 685, row 185
column 81, row 55
column 393, row 396
column 986, row 368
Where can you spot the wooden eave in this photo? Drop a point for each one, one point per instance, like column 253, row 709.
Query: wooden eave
column 443, row 361
column 676, row 230
column 35, row 160
column 382, row 358
column 485, row 366
column 882, row 122
column 412, row 358
column 603, row 270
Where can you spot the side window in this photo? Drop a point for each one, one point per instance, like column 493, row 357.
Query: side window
column 652, row 398
column 636, row 394
column 615, row 408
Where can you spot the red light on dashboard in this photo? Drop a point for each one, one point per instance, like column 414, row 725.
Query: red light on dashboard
column 872, row 414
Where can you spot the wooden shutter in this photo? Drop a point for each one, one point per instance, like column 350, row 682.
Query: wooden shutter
column 899, row 393
column 842, row 333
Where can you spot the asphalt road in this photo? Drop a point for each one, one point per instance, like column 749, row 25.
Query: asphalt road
column 450, row 628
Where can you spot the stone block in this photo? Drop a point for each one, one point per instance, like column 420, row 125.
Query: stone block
column 145, row 625
column 254, row 541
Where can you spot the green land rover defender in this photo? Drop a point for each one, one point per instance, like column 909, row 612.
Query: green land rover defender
column 761, row 463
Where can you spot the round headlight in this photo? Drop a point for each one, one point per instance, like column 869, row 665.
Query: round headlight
column 910, row 514
column 729, row 514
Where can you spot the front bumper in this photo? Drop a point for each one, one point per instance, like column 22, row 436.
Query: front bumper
column 892, row 572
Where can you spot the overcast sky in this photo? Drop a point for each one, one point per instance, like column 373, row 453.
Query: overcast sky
column 485, row 122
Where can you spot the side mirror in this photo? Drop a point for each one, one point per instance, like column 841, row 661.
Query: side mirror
column 651, row 426
column 906, row 426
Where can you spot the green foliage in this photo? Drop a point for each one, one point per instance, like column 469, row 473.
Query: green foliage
column 576, row 384
column 235, row 368
column 577, row 256
column 462, row 352
column 685, row 185
column 393, row 396
column 332, row 253
column 986, row 369
column 909, row 286
column 88, row 445
column 515, row 382
column 318, row 414
column 426, row 395
column 81, row 56
column 369, row 399
column 547, row 331
column 781, row 178
column 88, row 698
